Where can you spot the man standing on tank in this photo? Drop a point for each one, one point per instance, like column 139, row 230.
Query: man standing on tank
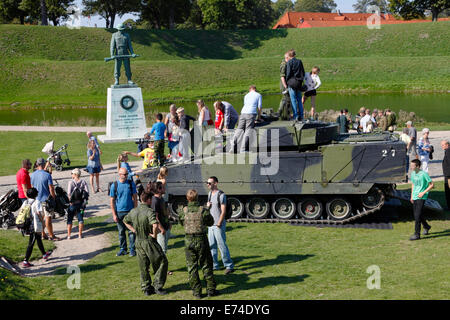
column 285, row 103
column 295, row 73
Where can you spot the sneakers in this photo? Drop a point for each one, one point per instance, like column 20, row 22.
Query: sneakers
column 132, row 253
column 228, row 271
column 121, row 253
column 426, row 231
column 414, row 237
column 26, row 264
column 46, row 255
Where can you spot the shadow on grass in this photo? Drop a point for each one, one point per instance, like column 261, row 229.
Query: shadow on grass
column 176, row 245
column 241, row 282
column 204, row 44
column 445, row 233
column 281, row 259
column 88, row 268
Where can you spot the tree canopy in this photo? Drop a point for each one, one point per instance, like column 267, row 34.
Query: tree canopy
column 410, row 9
column 362, row 5
column 315, row 5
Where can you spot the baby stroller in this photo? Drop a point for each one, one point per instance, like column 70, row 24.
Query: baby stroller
column 55, row 157
column 9, row 203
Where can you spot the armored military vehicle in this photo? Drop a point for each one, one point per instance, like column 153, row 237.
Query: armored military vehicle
column 299, row 172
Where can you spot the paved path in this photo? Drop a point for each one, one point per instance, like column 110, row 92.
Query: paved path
column 75, row 251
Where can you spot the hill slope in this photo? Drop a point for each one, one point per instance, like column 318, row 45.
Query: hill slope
column 59, row 65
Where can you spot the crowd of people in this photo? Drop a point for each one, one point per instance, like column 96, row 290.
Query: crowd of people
column 144, row 214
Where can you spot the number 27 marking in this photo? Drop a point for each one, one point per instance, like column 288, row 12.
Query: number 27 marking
column 385, row 153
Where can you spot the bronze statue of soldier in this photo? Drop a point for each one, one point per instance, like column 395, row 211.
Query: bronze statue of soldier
column 121, row 51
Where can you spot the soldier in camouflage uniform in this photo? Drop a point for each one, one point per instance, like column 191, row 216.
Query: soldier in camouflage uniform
column 285, row 103
column 142, row 221
column 195, row 220
column 120, row 46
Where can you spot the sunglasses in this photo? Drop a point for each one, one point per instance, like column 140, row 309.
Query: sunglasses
column 123, row 174
column 209, row 183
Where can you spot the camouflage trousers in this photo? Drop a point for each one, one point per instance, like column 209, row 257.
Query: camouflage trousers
column 149, row 252
column 285, row 107
column 159, row 152
column 198, row 256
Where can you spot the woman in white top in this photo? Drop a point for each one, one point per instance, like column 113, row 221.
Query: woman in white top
column 36, row 228
column 204, row 118
column 312, row 82
column 424, row 149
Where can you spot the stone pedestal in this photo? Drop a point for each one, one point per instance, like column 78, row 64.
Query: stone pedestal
column 125, row 118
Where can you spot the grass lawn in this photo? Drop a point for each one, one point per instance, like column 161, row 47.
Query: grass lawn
column 273, row 261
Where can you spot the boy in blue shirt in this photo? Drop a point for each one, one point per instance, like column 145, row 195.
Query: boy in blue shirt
column 158, row 129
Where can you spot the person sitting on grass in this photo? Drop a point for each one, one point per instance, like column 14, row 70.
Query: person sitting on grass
column 147, row 153
column 36, row 227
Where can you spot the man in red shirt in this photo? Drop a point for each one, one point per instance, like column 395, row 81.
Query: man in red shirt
column 23, row 179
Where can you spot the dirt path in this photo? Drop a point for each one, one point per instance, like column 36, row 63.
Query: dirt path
column 74, row 251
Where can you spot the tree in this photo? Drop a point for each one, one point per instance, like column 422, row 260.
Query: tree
column 109, row 9
column 55, row 10
column 164, row 13
column 254, row 14
column 410, row 9
column 362, row 5
column 280, row 7
column 315, row 5
column 10, row 10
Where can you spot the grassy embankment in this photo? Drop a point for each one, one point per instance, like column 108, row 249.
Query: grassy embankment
column 54, row 66
column 298, row 263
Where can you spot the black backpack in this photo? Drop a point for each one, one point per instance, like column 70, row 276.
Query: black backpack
column 228, row 209
column 77, row 194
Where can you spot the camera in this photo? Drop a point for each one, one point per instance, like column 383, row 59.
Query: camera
column 142, row 140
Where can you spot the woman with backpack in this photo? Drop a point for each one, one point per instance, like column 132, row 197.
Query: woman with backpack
column 78, row 193
column 32, row 211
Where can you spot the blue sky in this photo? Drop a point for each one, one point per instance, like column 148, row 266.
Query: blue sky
column 343, row 5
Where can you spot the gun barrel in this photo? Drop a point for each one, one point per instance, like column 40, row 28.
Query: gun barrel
column 123, row 56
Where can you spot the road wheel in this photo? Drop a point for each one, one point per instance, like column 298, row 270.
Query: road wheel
column 338, row 209
column 283, row 208
column 373, row 198
column 237, row 207
column 310, row 209
column 257, row 208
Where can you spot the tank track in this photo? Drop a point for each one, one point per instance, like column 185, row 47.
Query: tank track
column 359, row 214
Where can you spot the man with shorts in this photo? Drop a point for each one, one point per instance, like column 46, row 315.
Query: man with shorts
column 43, row 182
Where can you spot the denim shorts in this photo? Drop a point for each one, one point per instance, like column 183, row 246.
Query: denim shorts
column 74, row 209
column 93, row 170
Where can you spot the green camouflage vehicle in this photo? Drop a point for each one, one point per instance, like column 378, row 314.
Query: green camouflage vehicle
column 309, row 174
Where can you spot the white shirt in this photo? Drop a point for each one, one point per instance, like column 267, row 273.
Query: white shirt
column 36, row 207
column 312, row 81
column 252, row 101
column 364, row 121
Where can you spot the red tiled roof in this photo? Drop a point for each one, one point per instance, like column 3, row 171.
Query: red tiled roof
column 326, row 19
